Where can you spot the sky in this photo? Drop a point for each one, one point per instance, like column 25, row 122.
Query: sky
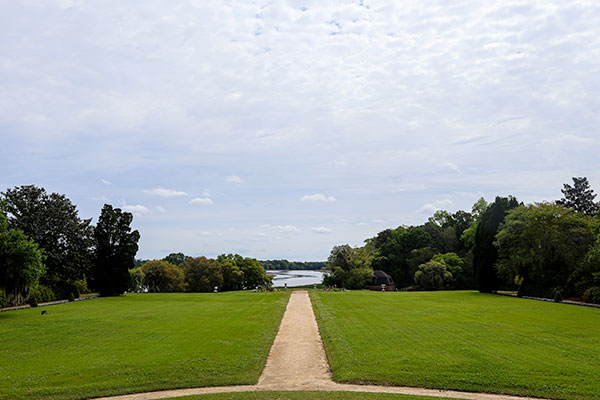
column 278, row 129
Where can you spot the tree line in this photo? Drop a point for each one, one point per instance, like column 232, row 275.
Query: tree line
column 180, row 273
column 284, row 265
column 546, row 249
column 47, row 252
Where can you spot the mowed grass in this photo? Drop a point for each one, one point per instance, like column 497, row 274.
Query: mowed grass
column 136, row 343
column 314, row 395
column 462, row 340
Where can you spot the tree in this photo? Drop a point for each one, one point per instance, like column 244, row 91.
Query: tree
column 432, row 275
column 542, row 244
column 176, row 258
column 116, row 246
column 579, row 197
column 254, row 273
column 233, row 277
column 455, row 265
column 163, row 277
column 20, row 261
column 203, row 274
column 350, row 267
column 52, row 221
column 485, row 253
column 137, row 279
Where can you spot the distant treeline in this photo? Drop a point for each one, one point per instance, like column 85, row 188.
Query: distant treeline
column 293, row 265
column 546, row 249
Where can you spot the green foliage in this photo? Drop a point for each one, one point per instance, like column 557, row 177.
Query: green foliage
column 454, row 264
column 137, row 343
column 44, row 294
column 203, row 274
column 592, row 295
column 20, row 263
column 176, row 259
column 52, row 221
column 136, row 280
column 254, row 275
column 82, row 286
column 459, row 340
column 558, row 296
column 33, row 302
column 543, row 243
column 71, row 297
column 163, row 277
column 284, row 265
column 233, row 277
column 485, row 253
column 64, row 290
column 116, row 247
column 433, row 275
column 579, row 197
column 350, row 268
column 393, row 250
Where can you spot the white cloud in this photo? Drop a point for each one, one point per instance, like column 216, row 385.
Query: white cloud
column 162, row 192
column 106, row 182
column 137, row 210
column 160, row 209
column 201, row 200
column 431, row 208
column 318, row 197
column 234, row 179
column 281, row 228
column 321, row 229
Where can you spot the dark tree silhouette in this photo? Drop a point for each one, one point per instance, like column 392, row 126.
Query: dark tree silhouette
column 579, row 197
column 485, row 253
column 116, row 247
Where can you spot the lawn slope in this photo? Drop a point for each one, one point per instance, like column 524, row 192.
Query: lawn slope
column 462, row 341
column 137, row 343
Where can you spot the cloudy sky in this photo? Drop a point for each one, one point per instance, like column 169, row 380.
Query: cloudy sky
column 277, row 129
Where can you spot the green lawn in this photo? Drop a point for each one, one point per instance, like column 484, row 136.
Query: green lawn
column 462, row 340
column 304, row 396
column 137, row 343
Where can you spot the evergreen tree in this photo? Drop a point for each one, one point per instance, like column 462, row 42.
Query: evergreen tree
column 579, row 197
column 116, row 247
column 485, row 253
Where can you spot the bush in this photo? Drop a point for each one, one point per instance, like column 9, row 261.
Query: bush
column 33, row 300
column 5, row 300
column 592, row 295
column 64, row 290
column 82, row 286
column 71, row 297
column 44, row 294
column 558, row 296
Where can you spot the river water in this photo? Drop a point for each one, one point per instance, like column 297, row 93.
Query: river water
column 295, row 278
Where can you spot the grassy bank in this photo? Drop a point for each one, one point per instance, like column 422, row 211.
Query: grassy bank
column 137, row 343
column 461, row 340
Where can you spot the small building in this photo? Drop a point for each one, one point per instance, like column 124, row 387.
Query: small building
column 382, row 282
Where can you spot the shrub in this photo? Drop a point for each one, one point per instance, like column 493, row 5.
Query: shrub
column 33, row 300
column 44, row 294
column 82, row 286
column 592, row 295
column 71, row 297
column 432, row 276
column 558, row 296
column 64, row 290
column 5, row 300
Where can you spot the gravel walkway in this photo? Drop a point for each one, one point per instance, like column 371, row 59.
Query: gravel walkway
column 297, row 361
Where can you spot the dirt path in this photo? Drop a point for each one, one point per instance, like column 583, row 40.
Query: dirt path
column 297, row 361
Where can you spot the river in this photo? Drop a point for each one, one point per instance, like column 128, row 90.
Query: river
column 295, row 278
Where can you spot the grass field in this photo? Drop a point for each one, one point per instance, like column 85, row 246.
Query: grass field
column 463, row 341
column 305, row 396
column 137, row 343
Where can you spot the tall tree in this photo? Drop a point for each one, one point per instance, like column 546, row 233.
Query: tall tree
column 116, row 246
column 20, row 261
column 203, row 275
column 52, row 221
column 485, row 253
column 543, row 244
column 579, row 197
